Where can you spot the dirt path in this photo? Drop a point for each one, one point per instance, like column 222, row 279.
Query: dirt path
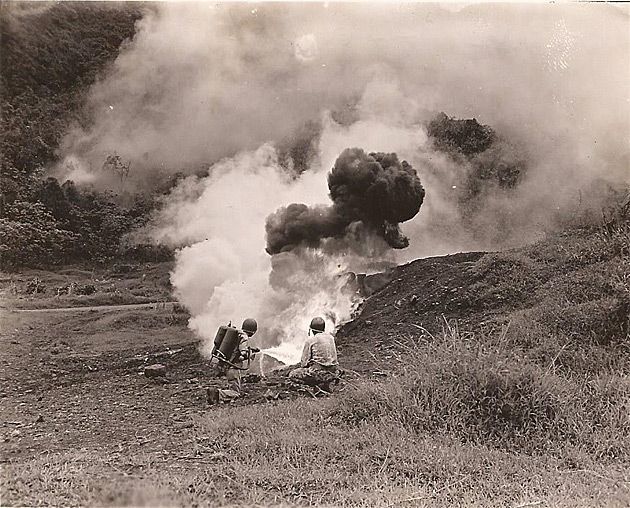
column 129, row 306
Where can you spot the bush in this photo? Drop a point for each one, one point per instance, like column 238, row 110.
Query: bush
column 30, row 235
column 66, row 223
column 489, row 164
column 468, row 137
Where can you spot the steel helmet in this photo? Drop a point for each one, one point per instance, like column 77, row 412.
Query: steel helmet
column 250, row 326
column 318, row 324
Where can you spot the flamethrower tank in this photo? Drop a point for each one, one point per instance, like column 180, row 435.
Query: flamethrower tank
column 218, row 338
column 229, row 343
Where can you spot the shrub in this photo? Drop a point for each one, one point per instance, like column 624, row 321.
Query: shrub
column 468, row 137
column 67, row 223
column 30, row 234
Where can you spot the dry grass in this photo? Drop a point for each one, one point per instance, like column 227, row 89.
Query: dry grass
column 293, row 454
column 485, row 390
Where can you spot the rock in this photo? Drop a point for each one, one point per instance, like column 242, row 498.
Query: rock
column 228, row 395
column 137, row 360
column 212, row 395
column 155, row 370
column 39, row 419
column 271, row 395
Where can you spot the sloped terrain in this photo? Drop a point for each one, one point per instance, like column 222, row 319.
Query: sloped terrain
column 572, row 289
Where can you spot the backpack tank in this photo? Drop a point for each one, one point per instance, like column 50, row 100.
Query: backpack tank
column 229, row 343
column 218, row 338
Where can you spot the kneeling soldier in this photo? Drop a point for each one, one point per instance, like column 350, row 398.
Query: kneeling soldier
column 319, row 366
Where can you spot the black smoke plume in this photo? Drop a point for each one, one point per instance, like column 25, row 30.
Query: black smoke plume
column 372, row 192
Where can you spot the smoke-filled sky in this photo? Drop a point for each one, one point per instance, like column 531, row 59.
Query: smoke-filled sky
column 204, row 81
column 205, row 84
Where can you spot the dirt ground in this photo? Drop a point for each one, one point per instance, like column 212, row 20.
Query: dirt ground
column 74, row 379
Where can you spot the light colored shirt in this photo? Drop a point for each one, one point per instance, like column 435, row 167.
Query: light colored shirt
column 320, row 348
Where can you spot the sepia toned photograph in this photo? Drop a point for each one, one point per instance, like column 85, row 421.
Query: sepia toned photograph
column 330, row 254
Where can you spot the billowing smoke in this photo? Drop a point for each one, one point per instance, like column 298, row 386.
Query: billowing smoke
column 219, row 86
column 223, row 272
column 373, row 191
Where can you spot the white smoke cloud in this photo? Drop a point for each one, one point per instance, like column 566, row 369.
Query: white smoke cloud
column 223, row 272
column 306, row 48
column 204, row 83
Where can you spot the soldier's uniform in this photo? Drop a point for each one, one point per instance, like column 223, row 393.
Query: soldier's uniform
column 319, row 365
column 240, row 355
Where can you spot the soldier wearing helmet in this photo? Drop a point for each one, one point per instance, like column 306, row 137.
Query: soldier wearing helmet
column 242, row 352
column 249, row 326
column 318, row 366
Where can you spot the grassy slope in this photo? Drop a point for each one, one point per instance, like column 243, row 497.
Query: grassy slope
column 518, row 394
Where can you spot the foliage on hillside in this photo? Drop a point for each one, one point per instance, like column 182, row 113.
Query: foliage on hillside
column 492, row 163
column 62, row 223
column 49, row 58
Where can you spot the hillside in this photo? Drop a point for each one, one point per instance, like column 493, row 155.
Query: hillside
column 568, row 292
column 51, row 54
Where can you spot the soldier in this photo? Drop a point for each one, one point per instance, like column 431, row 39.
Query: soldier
column 318, row 366
column 232, row 367
column 242, row 352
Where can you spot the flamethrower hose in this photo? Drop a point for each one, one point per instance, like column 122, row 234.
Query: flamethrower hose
column 221, row 358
